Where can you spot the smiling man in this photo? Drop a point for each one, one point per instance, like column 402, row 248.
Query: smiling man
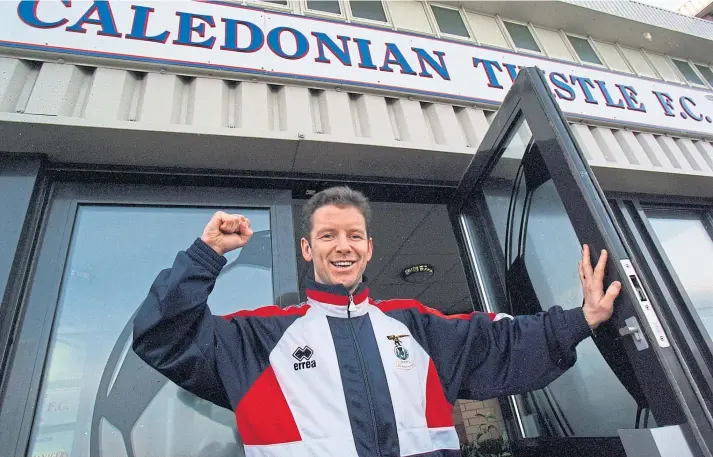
column 343, row 374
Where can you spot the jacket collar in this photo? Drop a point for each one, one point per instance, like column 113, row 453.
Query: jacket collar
column 334, row 299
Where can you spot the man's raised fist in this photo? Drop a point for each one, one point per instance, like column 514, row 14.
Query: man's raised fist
column 227, row 232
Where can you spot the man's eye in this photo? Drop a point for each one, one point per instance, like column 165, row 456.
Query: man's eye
column 327, row 237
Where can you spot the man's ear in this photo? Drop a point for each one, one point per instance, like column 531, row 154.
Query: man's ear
column 306, row 250
column 370, row 251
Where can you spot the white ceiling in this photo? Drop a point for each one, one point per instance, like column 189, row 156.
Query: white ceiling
column 406, row 234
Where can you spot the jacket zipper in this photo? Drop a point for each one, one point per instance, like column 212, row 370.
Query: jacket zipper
column 350, row 308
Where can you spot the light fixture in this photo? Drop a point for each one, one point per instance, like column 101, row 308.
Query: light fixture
column 417, row 273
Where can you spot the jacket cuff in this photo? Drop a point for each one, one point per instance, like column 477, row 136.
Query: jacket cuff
column 206, row 257
column 578, row 325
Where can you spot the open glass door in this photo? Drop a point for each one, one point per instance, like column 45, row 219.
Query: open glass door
column 527, row 203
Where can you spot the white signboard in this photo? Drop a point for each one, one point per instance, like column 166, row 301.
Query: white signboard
column 224, row 36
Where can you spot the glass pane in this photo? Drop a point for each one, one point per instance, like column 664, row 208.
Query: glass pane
column 98, row 398
column 706, row 72
column 324, row 6
column 521, row 36
column 689, row 248
column 540, row 253
column 368, row 9
column 584, row 50
column 687, row 72
column 450, row 21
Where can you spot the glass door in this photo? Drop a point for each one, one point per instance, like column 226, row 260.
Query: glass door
column 75, row 386
column 526, row 204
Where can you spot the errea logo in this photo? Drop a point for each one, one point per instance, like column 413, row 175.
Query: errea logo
column 303, row 356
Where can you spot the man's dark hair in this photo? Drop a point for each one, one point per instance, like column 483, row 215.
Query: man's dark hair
column 341, row 196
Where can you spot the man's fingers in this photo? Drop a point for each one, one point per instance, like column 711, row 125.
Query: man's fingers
column 601, row 265
column 612, row 291
column 586, row 262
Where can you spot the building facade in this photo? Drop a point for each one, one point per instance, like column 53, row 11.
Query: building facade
column 124, row 125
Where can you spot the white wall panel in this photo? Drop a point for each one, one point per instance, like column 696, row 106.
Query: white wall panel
column 612, row 56
column 664, row 68
column 486, row 30
column 553, row 43
column 410, row 15
column 112, row 116
column 638, row 62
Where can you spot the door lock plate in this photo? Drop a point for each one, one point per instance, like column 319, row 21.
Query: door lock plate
column 645, row 304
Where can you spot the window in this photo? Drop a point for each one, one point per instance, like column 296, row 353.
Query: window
column 584, row 50
column 638, row 62
column 553, row 44
column 410, row 16
column 688, row 72
column 371, row 10
column 486, row 30
column 103, row 284
column 325, row 6
column 663, row 66
column 612, row 57
column 450, row 21
column 521, row 36
column 687, row 241
column 706, row 72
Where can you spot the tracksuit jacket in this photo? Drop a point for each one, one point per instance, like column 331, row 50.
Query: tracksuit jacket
column 342, row 374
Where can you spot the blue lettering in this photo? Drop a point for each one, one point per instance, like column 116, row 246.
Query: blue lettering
column 607, row 96
column 140, row 24
column 629, row 94
column 105, row 20
column 585, row 84
column 340, row 53
column 365, row 60
column 512, row 70
column 488, row 66
column 685, row 101
column 394, row 56
column 186, row 29
column 440, row 67
column 559, row 80
column 666, row 102
column 27, row 12
column 273, row 42
column 257, row 37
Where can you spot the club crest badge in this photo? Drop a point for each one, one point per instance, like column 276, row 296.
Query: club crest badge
column 403, row 356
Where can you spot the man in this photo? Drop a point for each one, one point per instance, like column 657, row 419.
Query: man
column 342, row 374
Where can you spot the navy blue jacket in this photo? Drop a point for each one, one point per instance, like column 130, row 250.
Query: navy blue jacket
column 343, row 375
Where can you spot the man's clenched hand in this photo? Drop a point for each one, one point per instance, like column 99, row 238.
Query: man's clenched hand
column 598, row 306
column 227, row 232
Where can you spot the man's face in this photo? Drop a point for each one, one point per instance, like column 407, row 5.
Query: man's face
column 338, row 246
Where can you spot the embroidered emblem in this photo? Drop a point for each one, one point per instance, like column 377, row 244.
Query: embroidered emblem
column 403, row 356
column 303, row 357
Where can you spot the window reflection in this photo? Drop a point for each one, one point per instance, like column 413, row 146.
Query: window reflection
column 540, row 253
column 689, row 248
column 98, row 398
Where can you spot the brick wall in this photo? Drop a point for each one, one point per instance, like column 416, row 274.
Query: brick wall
column 468, row 423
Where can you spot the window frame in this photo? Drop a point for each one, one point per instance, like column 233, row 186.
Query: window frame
column 511, row 41
column 634, row 71
column 616, row 46
column 461, row 12
column 667, row 59
column 498, row 23
column 692, row 65
column 307, row 11
column 29, row 351
column 290, row 7
column 359, row 20
column 431, row 21
column 709, row 84
column 602, row 63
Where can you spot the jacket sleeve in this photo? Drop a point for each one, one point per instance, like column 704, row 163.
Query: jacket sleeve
column 480, row 356
column 174, row 330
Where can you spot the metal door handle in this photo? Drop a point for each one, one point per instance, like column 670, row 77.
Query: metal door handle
column 632, row 328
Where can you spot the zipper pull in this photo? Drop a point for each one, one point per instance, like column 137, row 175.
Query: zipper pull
column 352, row 306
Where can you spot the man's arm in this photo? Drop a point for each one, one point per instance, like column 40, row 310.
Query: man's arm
column 174, row 330
column 481, row 356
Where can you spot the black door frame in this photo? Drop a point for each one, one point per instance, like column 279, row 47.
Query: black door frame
column 21, row 386
column 662, row 375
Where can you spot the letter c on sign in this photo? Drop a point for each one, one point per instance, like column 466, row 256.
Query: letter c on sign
column 27, row 12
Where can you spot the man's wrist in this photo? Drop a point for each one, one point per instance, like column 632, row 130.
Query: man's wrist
column 215, row 249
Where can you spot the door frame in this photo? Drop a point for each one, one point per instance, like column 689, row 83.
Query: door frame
column 662, row 374
column 22, row 384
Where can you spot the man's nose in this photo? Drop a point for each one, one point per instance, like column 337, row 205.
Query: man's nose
column 343, row 244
